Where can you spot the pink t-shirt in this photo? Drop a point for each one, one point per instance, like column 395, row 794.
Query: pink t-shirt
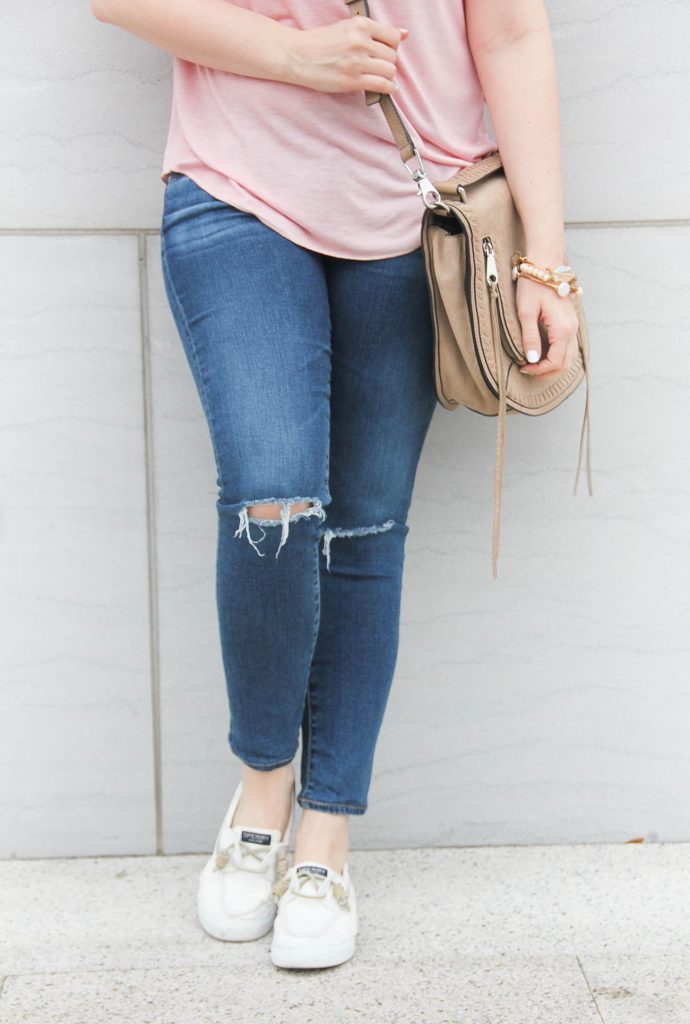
column 322, row 168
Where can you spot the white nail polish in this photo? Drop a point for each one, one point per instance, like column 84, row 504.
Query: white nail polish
column 532, row 355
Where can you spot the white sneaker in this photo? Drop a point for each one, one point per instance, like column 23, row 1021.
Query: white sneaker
column 316, row 922
column 235, row 900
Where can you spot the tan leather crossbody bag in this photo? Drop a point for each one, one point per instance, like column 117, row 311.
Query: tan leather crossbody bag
column 469, row 231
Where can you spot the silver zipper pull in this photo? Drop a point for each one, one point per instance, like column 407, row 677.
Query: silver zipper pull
column 491, row 268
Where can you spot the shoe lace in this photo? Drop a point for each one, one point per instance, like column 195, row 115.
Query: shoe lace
column 246, row 856
column 298, row 886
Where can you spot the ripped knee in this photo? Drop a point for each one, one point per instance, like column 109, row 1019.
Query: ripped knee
column 359, row 531
column 271, row 512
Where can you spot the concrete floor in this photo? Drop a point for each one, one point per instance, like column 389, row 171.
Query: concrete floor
column 492, row 935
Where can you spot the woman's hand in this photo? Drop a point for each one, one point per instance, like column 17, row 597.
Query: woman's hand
column 537, row 302
column 351, row 55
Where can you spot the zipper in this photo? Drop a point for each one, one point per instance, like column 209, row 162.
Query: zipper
column 468, row 283
column 492, row 279
column 471, row 281
column 491, row 268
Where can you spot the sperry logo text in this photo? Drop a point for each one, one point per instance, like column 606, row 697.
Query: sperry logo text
column 256, row 837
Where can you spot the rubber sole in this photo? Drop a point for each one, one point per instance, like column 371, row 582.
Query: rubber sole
column 238, row 929
column 312, row 956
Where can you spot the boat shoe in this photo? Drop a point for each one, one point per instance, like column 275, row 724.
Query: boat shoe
column 316, row 920
column 235, row 900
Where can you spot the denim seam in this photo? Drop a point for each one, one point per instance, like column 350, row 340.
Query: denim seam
column 254, row 764
column 268, row 767
column 317, row 591
column 330, row 803
column 309, row 737
column 195, row 355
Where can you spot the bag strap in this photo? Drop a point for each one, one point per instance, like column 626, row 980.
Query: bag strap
column 403, row 139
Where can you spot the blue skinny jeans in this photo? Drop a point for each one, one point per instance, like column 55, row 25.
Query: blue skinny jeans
column 315, row 375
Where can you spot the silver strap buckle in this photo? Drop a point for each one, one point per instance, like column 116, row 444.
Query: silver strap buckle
column 425, row 188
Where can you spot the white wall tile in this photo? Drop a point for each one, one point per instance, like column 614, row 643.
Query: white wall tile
column 88, row 107
column 198, row 766
column 75, row 722
column 85, row 111
column 624, row 84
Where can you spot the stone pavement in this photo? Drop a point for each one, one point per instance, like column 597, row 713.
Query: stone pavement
column 583, row 934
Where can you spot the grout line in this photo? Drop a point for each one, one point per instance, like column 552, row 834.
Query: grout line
column 154, row 633
column 364, row 850
column 135, row 232
column 596, row 1004
column 671, row 222
column 668, row 222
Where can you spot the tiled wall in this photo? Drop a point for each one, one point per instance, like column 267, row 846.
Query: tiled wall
column 551, row 705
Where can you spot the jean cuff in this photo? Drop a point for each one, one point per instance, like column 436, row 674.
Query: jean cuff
column 330, row 806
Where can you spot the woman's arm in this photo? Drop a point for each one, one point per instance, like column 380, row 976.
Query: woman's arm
column 350, row 55
column 513, row 51
column 208, row 32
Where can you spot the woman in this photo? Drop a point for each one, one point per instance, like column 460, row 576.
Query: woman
column 292, row 262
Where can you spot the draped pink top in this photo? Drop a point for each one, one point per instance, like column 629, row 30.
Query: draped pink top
column 322, row 168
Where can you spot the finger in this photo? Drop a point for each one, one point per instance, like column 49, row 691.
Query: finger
column 531, row 338
column 380, row 68
column 383, row 51
column 373, row 83
column 386, row 33
column 553, row 359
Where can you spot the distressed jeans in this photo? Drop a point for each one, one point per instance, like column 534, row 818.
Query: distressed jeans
column 315, row 374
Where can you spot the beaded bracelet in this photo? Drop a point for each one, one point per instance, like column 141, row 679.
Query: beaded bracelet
column 561, row 279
